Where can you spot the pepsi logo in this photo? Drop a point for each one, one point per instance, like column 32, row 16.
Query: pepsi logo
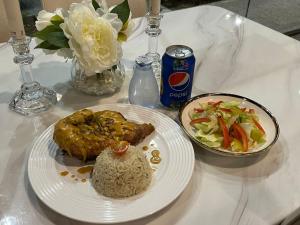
column 179, row 81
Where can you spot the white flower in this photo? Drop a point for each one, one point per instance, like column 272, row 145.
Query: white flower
column 92, row 38
column 44, row 17
column 103, row 11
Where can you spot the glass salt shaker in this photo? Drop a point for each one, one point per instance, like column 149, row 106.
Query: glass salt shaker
column 143, row 88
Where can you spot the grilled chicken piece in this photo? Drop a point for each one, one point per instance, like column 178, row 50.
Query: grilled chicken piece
column 85, row 134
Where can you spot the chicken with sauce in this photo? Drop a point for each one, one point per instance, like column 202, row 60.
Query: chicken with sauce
column 85, row 133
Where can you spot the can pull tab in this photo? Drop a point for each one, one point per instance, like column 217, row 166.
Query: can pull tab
column 179, row 53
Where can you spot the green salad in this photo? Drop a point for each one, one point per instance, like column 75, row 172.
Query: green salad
column 227, row 125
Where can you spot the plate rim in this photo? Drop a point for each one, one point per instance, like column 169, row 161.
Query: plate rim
column 190, row 168
column 219, row 151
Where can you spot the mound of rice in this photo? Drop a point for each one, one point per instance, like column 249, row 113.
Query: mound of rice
column 120, row 176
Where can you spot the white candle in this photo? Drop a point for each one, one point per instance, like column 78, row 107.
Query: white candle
column 155, row 7
column 14, row 17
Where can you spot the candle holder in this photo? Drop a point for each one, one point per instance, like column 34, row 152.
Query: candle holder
column 32, row 98
column 153, row 31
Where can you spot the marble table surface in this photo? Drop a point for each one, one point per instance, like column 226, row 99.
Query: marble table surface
column 234, row 55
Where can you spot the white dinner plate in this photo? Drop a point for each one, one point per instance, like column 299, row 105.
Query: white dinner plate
column 78, row 200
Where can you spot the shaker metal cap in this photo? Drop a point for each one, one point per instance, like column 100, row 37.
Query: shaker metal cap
column 143, row 60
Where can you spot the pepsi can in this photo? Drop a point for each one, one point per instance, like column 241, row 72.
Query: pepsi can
column 178, row 65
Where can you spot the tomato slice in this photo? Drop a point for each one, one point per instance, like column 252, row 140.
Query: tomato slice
column 242, row 134
column 251, row 111
column 226, row 139
column 198, row 110
column 200, row 120
column 235, row 134
column 258, row 126
column 215, row 104
column 121, row 147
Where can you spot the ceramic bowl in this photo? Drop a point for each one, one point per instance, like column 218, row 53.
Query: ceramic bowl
column 266, row 119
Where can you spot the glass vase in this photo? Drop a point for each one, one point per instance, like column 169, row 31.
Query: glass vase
column 107, row 82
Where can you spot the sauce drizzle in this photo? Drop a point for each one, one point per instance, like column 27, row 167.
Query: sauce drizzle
column 64, row 173
column 155, row 159
column 85, row 169
column 155, row 153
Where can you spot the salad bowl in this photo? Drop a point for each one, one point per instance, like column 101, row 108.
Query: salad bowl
column 267, row 125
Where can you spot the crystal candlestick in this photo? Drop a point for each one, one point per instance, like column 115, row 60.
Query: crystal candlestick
column 32, row 98
column 153, row 32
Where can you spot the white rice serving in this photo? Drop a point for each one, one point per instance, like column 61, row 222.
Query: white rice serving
column 120, row 176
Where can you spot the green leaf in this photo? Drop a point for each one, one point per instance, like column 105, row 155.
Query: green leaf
column 56, row 20
column 95, row 4
column 123, row 11
column 54, row 36
column 47, row 45
column 58, row 39
column 43, row 34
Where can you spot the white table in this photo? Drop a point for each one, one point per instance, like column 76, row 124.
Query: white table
column 233, row 55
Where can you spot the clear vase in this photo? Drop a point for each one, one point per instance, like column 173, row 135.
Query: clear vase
column 107, row 82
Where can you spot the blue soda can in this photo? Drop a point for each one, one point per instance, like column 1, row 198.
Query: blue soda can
column 178, row 65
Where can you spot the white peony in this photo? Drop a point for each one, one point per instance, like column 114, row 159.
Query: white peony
column 44, row 17
column 92, row 38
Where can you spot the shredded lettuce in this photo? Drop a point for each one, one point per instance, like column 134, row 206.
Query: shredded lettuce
column 204, row 105
column 230, row 104
column 209, row 131
column 248, row 127
column 257, row 136
column 212, row 140
column 236, row 145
